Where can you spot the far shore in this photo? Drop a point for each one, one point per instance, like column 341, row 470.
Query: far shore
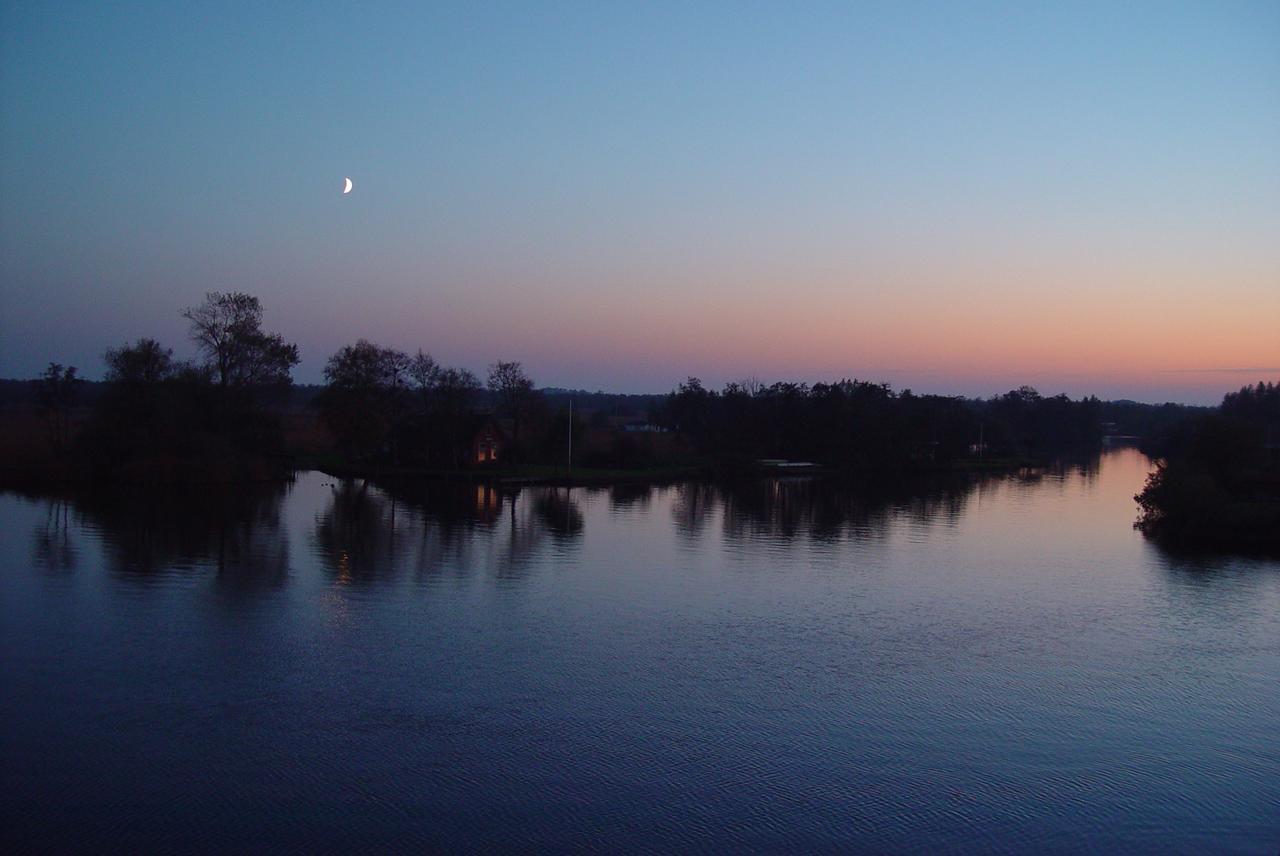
column 36, row 474
column 561, row 476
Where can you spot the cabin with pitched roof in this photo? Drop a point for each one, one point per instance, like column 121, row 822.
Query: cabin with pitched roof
column 488, row 442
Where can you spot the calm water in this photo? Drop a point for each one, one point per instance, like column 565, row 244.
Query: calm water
column 780, row 666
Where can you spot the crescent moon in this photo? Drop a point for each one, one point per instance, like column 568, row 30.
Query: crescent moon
column 347, row 189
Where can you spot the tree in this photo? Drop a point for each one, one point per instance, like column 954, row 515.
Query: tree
column 1258, row 404
column 55, row 393
column 423, row 371
column 687, row 408
column 513, row 390
column 145, row 362
column 363, row 401
column 137, row 402
column 227, row 328
column 452, row 396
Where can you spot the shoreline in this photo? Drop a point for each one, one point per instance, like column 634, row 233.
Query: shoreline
column 229, row 473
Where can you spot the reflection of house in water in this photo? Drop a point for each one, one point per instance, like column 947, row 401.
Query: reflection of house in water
column 488, row 441
column 488, row 503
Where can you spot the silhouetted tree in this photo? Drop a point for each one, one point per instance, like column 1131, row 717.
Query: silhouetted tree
column 227, row 328
column 363, row 401
column 1218, row 477
column 453, row 396
column 55, row 393
column 137, row 401
column 513, row 392
column 422, row 372
column 146, row 362
column 688, row 407
column 1259, row 405
column 853, row 424
column 245, row 364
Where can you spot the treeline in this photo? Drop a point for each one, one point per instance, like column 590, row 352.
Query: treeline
column 385, row 406
column 158, row 417
column 854, row 424
column 221, row 415
column 1217, row 478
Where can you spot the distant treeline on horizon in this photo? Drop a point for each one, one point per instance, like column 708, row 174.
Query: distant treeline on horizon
column 19, row 391
column 383, row 407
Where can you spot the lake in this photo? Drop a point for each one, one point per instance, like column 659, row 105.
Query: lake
column 998, row 664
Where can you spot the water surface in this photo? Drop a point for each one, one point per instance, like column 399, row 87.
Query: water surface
column 777, row 665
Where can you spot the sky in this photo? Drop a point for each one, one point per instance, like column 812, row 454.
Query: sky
column 954, row 197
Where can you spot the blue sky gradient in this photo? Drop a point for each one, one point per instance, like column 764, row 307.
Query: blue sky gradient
column 624, row 194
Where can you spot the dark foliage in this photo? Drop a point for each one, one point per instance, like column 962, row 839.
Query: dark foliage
column 1218, row 479
column 367, row 397
column 514, row 397
column 55, row 393
column 160, row 419
column 385, row 407
column 227, row 328
column 859, row 425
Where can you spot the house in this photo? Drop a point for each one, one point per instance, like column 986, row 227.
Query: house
column 488, row 442
column 643, row 427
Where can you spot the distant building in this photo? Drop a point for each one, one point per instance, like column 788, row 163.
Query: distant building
column 642, row 427
column 488, row 442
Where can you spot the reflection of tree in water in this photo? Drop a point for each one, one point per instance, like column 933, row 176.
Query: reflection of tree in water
column 630, row 495
column 1203, row 566
column 558, row 512
column 1088, row 469
column 527, row 531
column 1062, row 471
column 355, row 537
column 236, row 530
column 821, row 509
column 370, row 532
column 695, row 503
column 51, row 546
column 939, row 499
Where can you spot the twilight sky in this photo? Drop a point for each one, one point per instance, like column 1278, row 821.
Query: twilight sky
column 953, row 197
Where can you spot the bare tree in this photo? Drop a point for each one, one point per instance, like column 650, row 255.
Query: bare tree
column 55, row 393
column 452, row 396
column 228, row 330
column 513, row 390
column 423, row 371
